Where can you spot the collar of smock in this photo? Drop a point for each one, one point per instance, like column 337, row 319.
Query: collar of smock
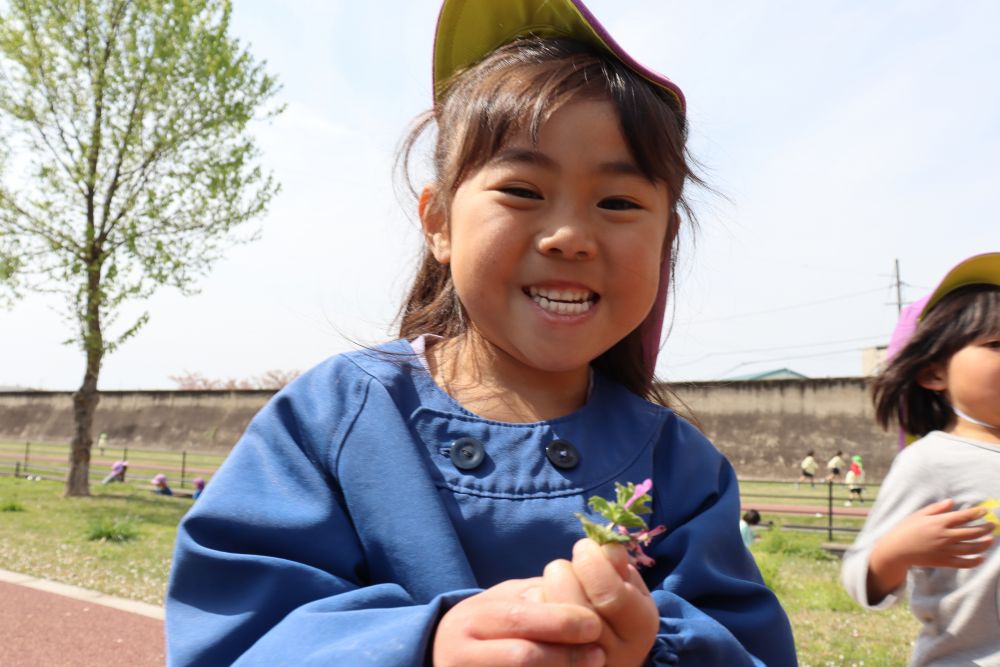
column 610, row 433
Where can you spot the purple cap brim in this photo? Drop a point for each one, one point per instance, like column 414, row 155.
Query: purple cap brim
column 652, row 76
column 464, row 37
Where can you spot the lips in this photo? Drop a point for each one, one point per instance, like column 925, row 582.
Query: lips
column 563, row 301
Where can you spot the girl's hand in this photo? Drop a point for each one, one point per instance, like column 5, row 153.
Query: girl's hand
column 510, row 625
column 933, row 536
column 600, row 577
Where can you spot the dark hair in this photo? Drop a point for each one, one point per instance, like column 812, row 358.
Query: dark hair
column 752, row 517
column 959, row 318
column 516, row 88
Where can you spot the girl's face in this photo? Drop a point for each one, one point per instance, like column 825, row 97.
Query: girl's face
column 555, row 247
column 970, row 381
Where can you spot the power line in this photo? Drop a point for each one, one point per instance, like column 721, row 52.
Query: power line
column 800, row 356
column 785, row 308
column 777, row 347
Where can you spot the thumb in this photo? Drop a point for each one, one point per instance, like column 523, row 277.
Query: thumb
column 618, row 555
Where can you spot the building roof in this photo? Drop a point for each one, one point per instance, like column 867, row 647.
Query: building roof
column 776, row 374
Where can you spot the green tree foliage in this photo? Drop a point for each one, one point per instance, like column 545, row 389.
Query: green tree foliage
column 126, row 164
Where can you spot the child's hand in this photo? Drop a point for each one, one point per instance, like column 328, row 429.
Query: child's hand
column 510, row 624
column 602, row 578
column 933, row 536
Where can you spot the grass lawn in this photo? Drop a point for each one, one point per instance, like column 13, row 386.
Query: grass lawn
column 45, row 535
column 830, row 628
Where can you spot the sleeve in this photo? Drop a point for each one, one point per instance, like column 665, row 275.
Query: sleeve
column 714, row 606
column 268, row 569
column 906, row 488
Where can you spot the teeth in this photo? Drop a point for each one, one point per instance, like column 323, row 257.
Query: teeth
column 566, row 296
column 563, row 307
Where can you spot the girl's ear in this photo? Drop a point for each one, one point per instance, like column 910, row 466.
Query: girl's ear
column 934, row 377
column 432, row 219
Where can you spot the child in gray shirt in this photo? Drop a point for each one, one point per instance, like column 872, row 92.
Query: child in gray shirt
column 930, row 528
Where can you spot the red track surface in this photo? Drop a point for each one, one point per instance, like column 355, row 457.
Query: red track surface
column 42, row 628
column 838, row 510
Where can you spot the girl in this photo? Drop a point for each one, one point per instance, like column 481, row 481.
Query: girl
column 943, row 385
column 415, row 504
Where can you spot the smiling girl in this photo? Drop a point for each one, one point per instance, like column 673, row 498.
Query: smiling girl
column 414, row 504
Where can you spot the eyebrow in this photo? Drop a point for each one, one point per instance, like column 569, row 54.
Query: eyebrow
column 516, row 156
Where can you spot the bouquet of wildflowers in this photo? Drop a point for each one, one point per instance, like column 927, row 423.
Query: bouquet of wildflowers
column 625, row 523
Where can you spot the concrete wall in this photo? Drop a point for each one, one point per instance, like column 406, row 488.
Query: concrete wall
column 765, row 428
column 194, row 420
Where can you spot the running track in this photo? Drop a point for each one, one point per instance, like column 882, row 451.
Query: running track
column 45, row 623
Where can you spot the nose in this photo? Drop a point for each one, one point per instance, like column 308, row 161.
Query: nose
column 569, row 240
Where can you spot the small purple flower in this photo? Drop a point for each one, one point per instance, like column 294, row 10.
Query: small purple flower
column 640, row 490
column 625, row 526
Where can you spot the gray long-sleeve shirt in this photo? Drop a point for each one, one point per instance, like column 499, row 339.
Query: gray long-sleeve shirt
column 959, row 608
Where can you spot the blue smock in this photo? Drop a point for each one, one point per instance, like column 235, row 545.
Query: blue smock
column 339, row 530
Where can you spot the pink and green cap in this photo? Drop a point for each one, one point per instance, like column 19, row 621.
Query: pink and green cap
column 468, row 30
column 981, row 269
column 976, row 270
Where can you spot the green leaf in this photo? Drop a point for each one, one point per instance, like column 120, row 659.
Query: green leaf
column 600, row 533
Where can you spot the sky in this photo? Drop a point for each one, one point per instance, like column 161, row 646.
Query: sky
column 837, row 137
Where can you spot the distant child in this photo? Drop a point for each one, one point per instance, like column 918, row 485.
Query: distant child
column 199, row 486
column 414, row 504
column 750, row 518
column 855, row 480
column 809, row 468
column 117, row 474
column 835, row 465
column 942, row 385
column 160, row 485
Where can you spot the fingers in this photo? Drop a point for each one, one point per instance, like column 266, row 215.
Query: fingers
column 561, row 584
column 548, row 622
column 520, row 653
column 962, row 562
column 970, row 532
column 969, row 548
column 936, row 508
column 635, row 579
column 959, row 517
column 627, row 608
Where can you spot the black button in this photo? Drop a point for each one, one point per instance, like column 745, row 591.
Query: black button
column 467, row 453
column 562, row 454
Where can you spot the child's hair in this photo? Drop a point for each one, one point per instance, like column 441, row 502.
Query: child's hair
column 959, row 318
column 811, row 452
column 752, row 517
column 514, row 89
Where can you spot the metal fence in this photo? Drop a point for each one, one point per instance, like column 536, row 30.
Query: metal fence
column 829, row 500
column 51, row 461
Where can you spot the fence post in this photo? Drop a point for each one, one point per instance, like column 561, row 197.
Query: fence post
column 125, row 453
column 17, row 468
column 184, row 456
column 829, row 510
column 27, row 453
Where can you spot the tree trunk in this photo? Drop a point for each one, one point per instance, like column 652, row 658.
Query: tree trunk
column 86, row 398
column 85, row 401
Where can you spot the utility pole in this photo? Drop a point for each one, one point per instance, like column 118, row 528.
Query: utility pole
column 899, row 291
